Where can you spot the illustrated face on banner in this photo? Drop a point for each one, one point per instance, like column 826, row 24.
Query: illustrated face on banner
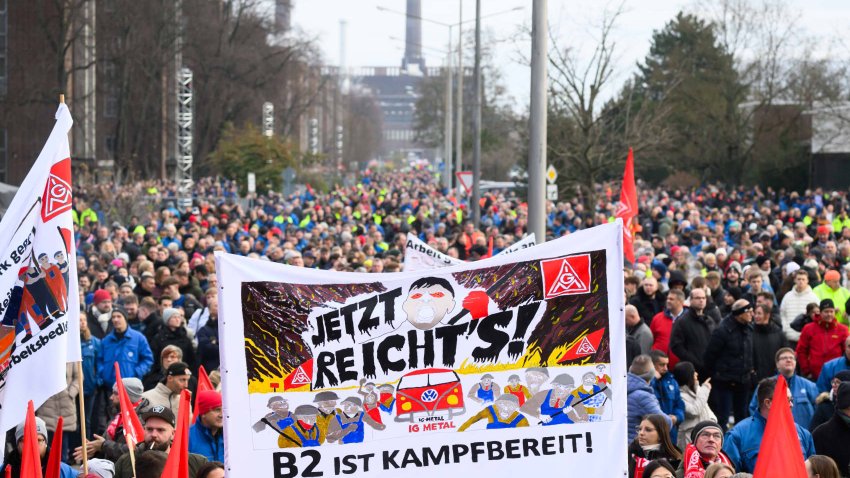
column 428, row 301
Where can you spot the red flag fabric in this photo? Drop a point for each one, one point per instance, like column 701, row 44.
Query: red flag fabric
column 30, row 458
column 133, row 431
column 177, row 465
column 8, row 471
column 53, row 468
column 777, row 455
column 628, row 207
column 588, row 345
column 203, row 384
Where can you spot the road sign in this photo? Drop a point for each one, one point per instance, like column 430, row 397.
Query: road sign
column 465, row 180
column 252, row 182
column 552, row 192
column 551, row 174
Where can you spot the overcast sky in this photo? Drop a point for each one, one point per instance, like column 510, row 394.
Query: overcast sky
column 374, row 38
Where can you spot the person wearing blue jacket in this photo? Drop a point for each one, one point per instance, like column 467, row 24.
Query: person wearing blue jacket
column 90, row 352
column 804, row 392
column 666, row 390
column 641, row 400
column 831, row 368
column 127, row 347
column 743, row 441
column 205, row 436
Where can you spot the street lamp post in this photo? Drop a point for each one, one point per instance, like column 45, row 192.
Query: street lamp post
column 476, row 121
column 537, row 122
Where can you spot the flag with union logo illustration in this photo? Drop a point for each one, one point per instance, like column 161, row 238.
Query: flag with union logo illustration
column 39, row 301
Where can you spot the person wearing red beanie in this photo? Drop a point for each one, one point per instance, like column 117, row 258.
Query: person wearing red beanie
column 205, row 435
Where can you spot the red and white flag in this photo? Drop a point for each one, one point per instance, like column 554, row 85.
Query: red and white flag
column 39, row 302
column 628, row 207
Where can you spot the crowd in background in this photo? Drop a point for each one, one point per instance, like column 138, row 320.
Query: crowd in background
column 729, row 288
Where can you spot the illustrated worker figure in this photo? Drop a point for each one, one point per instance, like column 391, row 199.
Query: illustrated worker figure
column 485, row 391
column 279, row 418
column 370, row 400
column 386, row 398
column 326, row 403
column 602, row 378
column 503, row 413
column 554, row 407
column 535, row 377
column 304, row 431
column 347, row 426
column 592, row 396
column 55, row 282
column 428, row 301
column 40, row 291
column 517, row 389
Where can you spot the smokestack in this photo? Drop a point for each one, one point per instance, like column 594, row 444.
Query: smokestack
column 413, row 38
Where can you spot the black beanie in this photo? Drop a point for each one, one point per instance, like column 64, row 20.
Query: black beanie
column 702, row 426
column 842, row 399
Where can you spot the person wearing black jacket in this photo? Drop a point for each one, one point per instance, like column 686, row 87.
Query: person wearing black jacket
column 825, row 407
column 729, row 360
column 832, row 437
column 768, row 338
column 649, row 300
column 692, row 332
column 208, row 354
column 174, row 333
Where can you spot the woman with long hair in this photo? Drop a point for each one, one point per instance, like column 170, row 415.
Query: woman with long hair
column 822, row 466
column 652, row 442
column 659, row 468
column 695, row 397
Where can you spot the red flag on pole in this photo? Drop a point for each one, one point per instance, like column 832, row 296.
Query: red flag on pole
column 628, row 207
column 53, row 468
column 203, row 385
column 776, row 454
column 30, row 458
column 134, row 433
column 177, row 465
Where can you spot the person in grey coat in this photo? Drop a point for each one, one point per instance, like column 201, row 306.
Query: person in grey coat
column 641, row 400
column 637, row 328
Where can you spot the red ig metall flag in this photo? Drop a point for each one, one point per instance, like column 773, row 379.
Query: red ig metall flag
column 39, row 303
column 628, row 207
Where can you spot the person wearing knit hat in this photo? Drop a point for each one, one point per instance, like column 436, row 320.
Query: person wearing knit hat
column 100, row 468
column 14, row 458
column 832, row 437
column 826, row 400
column 100, row 313
column 831, row 289
column 205, row 435
column 821, row 340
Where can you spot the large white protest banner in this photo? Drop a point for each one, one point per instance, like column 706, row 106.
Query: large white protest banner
column 420, row 256
column 39, row 302
column 510, row 365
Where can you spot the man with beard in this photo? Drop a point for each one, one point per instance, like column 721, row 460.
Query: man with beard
column 535, row 377
column 592, row 396
column 112, row 445
column 503, row 413
column 159, row 432
column 347, row 426
column 554, row 407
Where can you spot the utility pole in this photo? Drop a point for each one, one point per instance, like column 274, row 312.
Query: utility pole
column 459, row 125
column 447, row 154
column 537, row 122
column 476, row 121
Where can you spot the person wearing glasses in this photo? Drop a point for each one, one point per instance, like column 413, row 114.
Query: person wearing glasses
column 653, row 441
column 742, row 442
column 704, row 450
column 803, row 390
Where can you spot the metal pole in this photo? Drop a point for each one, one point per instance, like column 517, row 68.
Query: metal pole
column 476, row 121
column 447, row 155
column 459, row 124
column 537, row 123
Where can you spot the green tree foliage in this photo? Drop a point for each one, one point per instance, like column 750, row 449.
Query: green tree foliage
column 689, row 72
column 247, row 150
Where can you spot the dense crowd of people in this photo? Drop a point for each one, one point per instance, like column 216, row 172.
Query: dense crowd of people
column 730, row 288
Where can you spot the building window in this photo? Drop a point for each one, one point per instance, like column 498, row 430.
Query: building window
column 111, row 144
column 111, row 109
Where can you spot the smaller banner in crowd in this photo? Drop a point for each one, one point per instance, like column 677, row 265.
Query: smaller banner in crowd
column 39, row 301
column 419, row 256
column 509, row 365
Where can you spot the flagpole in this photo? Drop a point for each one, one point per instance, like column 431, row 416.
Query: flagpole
column 81, row 393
